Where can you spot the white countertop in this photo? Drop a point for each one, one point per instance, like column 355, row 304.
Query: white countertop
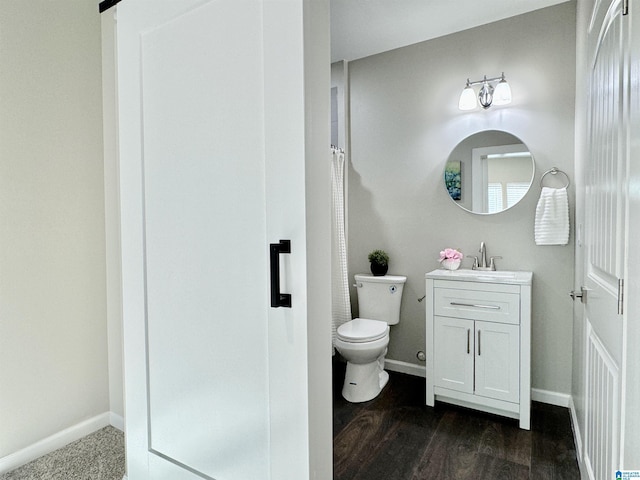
column 511, row 277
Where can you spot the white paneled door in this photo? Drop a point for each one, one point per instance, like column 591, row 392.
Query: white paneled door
column 605, row 183
column 211, row 132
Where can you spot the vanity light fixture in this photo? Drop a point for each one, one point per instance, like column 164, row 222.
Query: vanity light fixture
column 488, row 94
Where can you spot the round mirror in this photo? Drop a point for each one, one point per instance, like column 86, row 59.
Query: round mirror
column 489, row 172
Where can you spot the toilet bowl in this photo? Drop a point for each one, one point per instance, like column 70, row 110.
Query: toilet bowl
column 363, row 344
column 363, row 341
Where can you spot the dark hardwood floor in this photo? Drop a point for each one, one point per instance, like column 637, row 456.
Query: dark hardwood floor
column 397, row 437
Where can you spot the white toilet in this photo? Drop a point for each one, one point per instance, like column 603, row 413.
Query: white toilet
column 363, row 341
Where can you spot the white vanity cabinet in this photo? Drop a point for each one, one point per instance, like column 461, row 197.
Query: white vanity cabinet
column 478, row 328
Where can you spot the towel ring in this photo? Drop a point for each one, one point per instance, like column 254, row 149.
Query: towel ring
column 555, row 171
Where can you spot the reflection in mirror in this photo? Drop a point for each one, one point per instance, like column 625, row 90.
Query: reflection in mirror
column 489, row 172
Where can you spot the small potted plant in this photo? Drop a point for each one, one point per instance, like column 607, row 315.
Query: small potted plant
column 379, row 262
column 450, row 258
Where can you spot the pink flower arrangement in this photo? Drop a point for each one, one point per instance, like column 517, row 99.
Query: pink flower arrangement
column 451, row 254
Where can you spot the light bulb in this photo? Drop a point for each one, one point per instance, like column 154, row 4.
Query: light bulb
column 467, row 99
column 502, row 93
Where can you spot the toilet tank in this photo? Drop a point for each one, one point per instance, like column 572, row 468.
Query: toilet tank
column 379, row 297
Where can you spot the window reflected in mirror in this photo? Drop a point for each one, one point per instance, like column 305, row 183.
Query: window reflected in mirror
column 489, row 172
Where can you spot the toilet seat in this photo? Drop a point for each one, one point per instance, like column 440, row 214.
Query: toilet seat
column 361, row 330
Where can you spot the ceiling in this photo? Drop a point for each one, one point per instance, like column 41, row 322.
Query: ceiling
column 360, row 28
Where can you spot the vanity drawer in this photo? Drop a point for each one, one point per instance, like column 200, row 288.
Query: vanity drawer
column 498, row 307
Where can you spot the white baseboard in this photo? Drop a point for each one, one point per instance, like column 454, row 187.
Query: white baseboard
column 116, row 421
column 405, row 367
column 53, row 442
column 552, row 398
column 537, row 394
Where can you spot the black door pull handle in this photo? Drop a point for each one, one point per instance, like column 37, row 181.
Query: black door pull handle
column 275, row 249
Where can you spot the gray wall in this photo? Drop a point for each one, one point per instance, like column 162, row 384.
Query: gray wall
column 53, row 344
column 404, row 124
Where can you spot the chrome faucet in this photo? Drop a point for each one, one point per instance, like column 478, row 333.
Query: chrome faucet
column 482, row 263
column 483, row 255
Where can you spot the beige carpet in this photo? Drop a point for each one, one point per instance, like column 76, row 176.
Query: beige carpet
column 99, row 456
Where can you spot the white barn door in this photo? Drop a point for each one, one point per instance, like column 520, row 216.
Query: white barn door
column 605, row 183
column 211, row 112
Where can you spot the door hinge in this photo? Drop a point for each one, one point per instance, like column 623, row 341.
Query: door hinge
column 620, row 296
column 625, row 7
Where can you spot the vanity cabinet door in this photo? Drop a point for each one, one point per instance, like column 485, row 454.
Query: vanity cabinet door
column 497, row 361
column 453, row 352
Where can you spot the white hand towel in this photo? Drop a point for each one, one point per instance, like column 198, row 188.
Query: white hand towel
column 552, row 217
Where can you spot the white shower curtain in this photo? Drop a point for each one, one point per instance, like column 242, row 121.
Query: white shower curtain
column 340, row 301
